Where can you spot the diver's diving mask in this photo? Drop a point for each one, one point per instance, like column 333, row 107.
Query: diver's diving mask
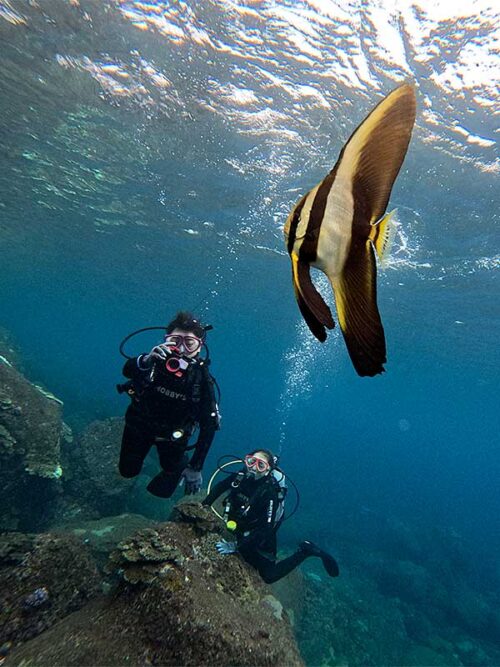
column 257, row 464
column 189, row 343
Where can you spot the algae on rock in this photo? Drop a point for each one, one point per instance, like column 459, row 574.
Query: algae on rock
column 178, row 602
column 30, row 465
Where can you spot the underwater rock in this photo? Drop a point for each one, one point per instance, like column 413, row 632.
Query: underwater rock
column 350, row 624
column 179, row 602
column 91, row 476
column 30, row 466
column 37, row 598
column 291, row 591
column 189, row 511
column 404, row 579
column 42, row 579
column 9, row 351
column 424, row 655
column 103, row 535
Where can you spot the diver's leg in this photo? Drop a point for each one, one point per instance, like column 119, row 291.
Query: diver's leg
column 136, row 444
column 173, row 460
column 263, row 560
column 272, row 571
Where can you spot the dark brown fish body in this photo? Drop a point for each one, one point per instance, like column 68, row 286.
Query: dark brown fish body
column 336, row 226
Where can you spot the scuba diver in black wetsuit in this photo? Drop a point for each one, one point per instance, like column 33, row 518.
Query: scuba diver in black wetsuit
column 172, row 391
column 253, row 510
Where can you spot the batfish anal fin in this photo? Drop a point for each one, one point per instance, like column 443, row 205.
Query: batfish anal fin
column 304, row 286
column 317, row 329
column 356, row 300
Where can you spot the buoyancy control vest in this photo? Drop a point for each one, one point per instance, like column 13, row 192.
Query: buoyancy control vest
column 150, row 390
column 238, row 504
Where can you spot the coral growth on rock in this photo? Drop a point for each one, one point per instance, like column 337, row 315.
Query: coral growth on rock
column 42, row 579
column 30, row 465
column 178, row 602
column 92, row 475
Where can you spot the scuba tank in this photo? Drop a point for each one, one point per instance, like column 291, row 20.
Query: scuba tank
column 280, row 482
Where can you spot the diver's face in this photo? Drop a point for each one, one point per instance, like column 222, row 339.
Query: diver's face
column 257, row 464
column 183, row 342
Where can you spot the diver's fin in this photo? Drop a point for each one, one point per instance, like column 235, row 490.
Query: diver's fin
column 330, row 564
column 373, row 155
column 382, row 235
column 312, row 306
column 356, row 300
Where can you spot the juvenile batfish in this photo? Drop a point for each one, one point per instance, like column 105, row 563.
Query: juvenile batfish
column 336, row 226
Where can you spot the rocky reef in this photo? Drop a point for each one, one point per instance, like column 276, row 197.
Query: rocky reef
column 176, row 602
column 42, row 579
column 30, row 458
column 105, row 586
column 406, row 596
column 48, row 474
column 91, row 475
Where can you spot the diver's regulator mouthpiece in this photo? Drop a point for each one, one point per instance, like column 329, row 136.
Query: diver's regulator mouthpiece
column 231, row 525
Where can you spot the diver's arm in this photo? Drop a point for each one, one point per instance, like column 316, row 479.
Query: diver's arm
column 135, row 367
column 201, row 448
column 209, row 423
column 219, row 489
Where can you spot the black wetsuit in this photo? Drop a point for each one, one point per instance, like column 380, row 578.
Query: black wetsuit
column 163, row 404
column 253, row 504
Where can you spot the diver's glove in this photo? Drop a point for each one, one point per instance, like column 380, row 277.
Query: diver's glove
column 192, row 480
column 225, row 547
column 158, row 353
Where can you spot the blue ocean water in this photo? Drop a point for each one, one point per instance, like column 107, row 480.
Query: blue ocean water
column 150, row 154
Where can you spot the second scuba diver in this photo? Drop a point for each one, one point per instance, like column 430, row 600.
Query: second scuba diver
column 172, row 391
column 253, row 511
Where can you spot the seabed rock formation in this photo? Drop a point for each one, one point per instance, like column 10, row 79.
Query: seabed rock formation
column 43, row 578
column 30, row 466
column 91, row 470
column 176, row 602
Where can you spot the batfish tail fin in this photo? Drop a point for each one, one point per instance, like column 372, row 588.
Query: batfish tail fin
column 356, row 300
column 311, row 304
column 382, row 235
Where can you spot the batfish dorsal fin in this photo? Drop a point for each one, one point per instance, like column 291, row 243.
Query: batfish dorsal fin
column 356, row 299
column 373, row 156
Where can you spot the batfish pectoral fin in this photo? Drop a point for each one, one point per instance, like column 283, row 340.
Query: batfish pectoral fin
column 356, row 300
column 314, row 310
column 382, row 235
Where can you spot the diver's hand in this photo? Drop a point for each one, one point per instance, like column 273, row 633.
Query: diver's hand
column 225, row 547
column 192, row 480
column 158, row 353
